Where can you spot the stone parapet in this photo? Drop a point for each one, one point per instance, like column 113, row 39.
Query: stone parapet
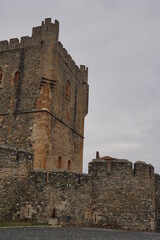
column 83, row 70
column 15, row 163
column 38, row 35
column 121, row 167
column 62, row 178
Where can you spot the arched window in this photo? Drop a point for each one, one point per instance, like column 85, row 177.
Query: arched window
column 16, row 76
column 59, row 162
column 68, row 90
column 69, row 165
column 1, row 76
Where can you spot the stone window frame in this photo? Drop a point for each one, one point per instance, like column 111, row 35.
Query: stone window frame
column 16, row 76
column 68, row 90
column 69, row 165
column 1, row 77
column 59, row 162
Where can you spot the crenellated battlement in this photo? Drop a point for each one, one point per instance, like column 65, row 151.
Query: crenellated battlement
column 84, row 71
column 60, row 179
column 46, row 28
column 71, row 63
column 11, row 158
column 143, row 169
column 112, row 186
column 15, row 162
column 102, row 167
column 38, row 35
column 67, row 57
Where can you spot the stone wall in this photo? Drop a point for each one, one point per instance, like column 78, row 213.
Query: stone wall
column 113, row 194
column 18, row 96
column 157, row 202
column 14, row 169
column 123, row 197
column 67, row 193
column 27, row 194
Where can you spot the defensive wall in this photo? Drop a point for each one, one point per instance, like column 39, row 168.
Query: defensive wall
column 28, row 194
column 122, row 195
column 113, row 194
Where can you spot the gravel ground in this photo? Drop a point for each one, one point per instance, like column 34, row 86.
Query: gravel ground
column 49, row 233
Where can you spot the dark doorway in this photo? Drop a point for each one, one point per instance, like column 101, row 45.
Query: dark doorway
column 54, row 213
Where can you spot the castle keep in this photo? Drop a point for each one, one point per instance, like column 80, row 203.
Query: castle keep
column 44, row 100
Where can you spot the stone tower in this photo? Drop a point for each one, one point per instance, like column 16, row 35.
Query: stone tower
column 44, row 99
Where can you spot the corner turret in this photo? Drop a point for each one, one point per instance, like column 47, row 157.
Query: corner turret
column 47, row 27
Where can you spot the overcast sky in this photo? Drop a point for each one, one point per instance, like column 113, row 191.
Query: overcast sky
column 119, row 41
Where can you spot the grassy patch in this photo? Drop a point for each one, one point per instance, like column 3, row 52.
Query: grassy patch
column 21, row 224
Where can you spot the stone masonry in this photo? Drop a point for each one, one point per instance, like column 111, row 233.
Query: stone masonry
column 44, row 100
column 113, row 195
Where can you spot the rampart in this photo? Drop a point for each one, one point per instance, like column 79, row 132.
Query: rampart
column 124, row 197
column 113, row 194
column 27, row 194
